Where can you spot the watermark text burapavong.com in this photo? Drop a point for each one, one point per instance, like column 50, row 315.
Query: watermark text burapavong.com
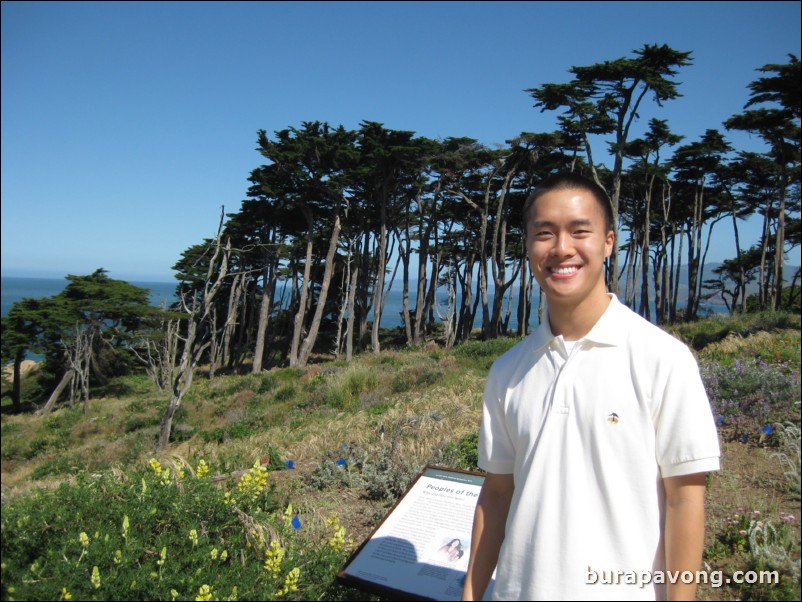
column 644, row 578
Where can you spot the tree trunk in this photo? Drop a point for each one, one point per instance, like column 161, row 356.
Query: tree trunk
column 298, row 325
column 676, row 265
column 763, row 253
column 344, row 295
column 352, row 323
column 232, row 318
column 779, row 247
column 380, row 276
column 268, row 289
column 199, row 314
column 466, row 315
column 523, row 296
column 65, row 380
column 16, row 391
column 311, row 337
column 645, row 305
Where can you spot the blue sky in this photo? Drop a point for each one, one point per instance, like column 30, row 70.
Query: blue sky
column 126, row 126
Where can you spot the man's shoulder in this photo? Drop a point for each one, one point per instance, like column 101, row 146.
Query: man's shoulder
column 522, row 352
column 640, row 331
column 651, row 348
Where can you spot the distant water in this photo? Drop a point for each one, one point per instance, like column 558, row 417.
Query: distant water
column 15, row 289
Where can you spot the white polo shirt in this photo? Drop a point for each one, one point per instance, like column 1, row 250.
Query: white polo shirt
column 588, row 438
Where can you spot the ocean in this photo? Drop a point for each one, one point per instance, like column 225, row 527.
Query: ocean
column 15, row 289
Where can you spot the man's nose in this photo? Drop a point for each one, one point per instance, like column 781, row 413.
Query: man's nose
column 563, row 244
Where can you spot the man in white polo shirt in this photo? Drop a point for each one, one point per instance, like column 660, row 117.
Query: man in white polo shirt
column 596, row 435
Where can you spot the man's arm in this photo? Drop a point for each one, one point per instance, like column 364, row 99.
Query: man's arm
column 684, row 530
column 489, row 522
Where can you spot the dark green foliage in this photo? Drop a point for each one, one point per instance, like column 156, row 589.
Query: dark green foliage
column 147, row 533
column 480, row 355
column 463, row 454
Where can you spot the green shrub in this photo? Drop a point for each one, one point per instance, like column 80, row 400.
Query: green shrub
column 60, row 465
column 267, row 384
column 285, row 393
column 480, row 355
column 462, row 454
column 43, row 444
column 340, row 388
column 401, row 383
column 136, row 423
column 161, row 534
column 63, row 420
column 8, row 428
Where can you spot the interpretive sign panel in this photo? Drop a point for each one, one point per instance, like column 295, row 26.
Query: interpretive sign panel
column 420, row 550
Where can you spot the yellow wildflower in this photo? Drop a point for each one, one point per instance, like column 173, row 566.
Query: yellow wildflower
column 213, row 553
column 156, row 466
column 337, row 540
column 126, row 525
column 202, row 470
column 273, row 558
column 204, row 592
column 65, row 595
column 84, row 539
column 174, row 593
column 193, row 537
column 162, row 556
column 290, row 582
column 252, row 484
column 95, row 577
column 118, row 557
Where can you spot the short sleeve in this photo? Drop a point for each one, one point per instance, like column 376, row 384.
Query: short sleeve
column 496, row 449
column 686, row 436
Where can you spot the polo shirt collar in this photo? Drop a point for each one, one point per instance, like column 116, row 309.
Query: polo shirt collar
column 606, row 331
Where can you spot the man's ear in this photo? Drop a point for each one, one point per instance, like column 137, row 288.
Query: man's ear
column 609, row 243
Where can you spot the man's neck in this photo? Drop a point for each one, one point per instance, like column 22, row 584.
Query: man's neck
column 574, row 321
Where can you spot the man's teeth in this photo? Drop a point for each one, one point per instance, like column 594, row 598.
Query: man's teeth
column 568, row 270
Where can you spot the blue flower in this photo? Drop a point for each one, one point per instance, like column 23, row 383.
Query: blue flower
column 768, row 430
column 296, row 522
column 342, row 462
column 720, row 420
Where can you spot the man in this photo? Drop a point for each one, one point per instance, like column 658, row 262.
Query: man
column 596, row 433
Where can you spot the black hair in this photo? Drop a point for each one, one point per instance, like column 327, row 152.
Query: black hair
column 570, row 181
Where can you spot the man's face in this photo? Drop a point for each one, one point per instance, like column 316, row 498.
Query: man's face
column 567, row 242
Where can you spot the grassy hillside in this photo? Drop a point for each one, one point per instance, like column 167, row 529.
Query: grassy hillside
column 386, row 416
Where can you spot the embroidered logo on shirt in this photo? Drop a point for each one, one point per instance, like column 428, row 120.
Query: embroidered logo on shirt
column 612, row 418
